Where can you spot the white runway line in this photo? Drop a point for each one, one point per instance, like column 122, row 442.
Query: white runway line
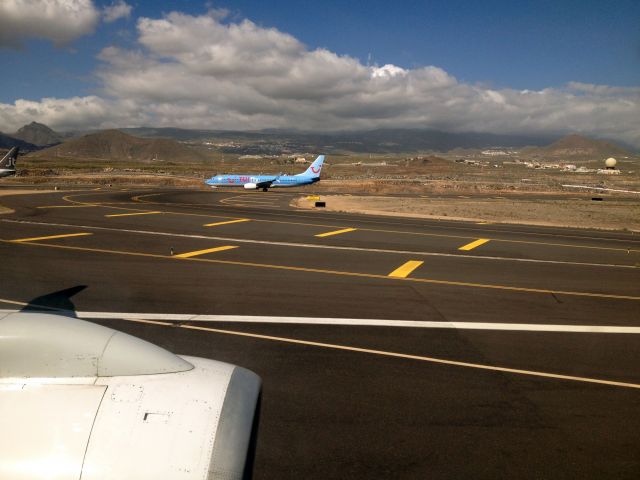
column 514, row 327
column 143, row 318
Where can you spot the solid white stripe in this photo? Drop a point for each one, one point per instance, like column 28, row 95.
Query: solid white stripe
column 600, row 188
column 517, row 327
column 327, row 247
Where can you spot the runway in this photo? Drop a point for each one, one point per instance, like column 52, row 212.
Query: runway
column 401, row 348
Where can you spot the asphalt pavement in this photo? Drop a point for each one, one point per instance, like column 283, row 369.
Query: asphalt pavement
column 388, row 347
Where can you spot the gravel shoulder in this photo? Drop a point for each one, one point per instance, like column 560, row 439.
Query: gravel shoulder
column 610, row 214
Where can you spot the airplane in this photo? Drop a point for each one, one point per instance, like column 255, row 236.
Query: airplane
column 254, row 182
column 8, row 163
column 80, row 400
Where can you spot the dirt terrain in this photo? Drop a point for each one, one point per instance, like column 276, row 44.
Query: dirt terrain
column 534, row 181
column 610, row 214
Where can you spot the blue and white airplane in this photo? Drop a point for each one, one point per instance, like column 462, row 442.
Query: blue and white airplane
column 254, row 182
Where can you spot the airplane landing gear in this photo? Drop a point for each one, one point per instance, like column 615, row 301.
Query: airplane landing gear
column 264, row 189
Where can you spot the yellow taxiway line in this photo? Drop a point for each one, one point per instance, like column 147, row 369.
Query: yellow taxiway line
column 51, row 237
column 240, row 220
column 336, row 232
column 403, row 271
column 202, row 252
column 131, row 214
column 66, row 206
column 384, row 353
column 472, row 245
column 377, row 230
column 451, row 283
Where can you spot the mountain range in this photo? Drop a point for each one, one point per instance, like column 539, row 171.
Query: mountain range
column 147, row 144
column 576, row 145
column 7, row 141
column 117, row 145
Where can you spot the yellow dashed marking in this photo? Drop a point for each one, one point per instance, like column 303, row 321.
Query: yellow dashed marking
column 399, row 232
column 202, row 252
column 131, row 214
column 240, row 220
column 337, row 272
column 66, row 206
column 472, row 245
column 51, row 237
column 403, row 271
column 336, row 232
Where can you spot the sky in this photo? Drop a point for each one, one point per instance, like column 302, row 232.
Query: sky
column 493, row 66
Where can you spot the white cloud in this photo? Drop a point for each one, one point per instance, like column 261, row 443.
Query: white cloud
column 60, row 21
column 118, row 9
column 205, row 72
column 388, row 70
column 76, row 113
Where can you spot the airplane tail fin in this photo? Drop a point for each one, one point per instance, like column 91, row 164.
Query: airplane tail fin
column 315, row 167
column 9, row 160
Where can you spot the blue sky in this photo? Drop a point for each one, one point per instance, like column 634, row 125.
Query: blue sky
column 518, row 44
column 445, row 52
column 523, row 45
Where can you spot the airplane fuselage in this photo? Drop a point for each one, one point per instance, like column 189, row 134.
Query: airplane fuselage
column 8, row 163
column 241, row 180
column 265, row 182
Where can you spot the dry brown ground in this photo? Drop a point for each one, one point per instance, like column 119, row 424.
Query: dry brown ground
column 610, row 214
column 109, row 179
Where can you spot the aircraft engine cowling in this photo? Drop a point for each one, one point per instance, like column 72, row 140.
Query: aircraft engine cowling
column 250, row 186
column 83, row 400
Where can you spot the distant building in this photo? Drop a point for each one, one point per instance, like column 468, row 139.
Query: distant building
column 494, row 153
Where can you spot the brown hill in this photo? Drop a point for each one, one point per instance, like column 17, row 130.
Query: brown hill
column 115, row 145
column 38, row 134
column 577, row 145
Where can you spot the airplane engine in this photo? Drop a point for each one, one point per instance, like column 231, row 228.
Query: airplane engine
column 79, row 400
column 250, row 186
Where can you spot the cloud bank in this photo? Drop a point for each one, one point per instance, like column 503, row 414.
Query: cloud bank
column 60, row 21
column 206, row 72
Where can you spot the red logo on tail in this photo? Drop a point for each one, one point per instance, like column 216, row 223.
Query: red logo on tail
column 315, row 170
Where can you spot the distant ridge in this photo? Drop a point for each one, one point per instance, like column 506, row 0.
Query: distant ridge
column 116, row 145
column 7, row 141
column 375, row 141
column 577, row 145
column 38, row 134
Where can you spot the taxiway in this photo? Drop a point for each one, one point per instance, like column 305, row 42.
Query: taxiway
column 400, row 348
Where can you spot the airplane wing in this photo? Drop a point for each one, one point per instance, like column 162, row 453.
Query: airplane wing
column 267, row 183
column 81, row 400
